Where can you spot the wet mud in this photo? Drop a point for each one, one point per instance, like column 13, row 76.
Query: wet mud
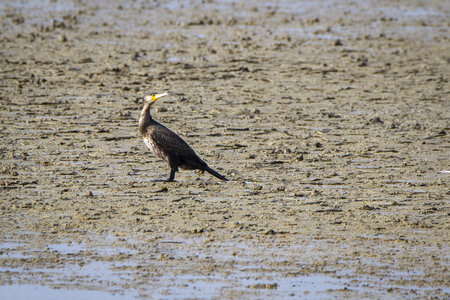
column 331, row 121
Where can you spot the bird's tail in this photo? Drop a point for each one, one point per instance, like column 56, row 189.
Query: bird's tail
column 214, row 173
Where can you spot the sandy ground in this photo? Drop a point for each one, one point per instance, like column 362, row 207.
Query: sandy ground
column 330, row 118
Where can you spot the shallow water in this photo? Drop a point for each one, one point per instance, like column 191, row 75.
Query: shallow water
column 26, row 291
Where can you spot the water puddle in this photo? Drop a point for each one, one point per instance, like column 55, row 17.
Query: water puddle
column 13, row 250
column 28, row 291
column 316, row 286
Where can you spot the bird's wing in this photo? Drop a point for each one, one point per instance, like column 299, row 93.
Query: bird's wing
column 167, row 140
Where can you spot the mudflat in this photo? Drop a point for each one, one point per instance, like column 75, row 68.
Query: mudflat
column 331, row 120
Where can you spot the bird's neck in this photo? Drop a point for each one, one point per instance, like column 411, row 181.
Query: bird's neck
column 145, row 118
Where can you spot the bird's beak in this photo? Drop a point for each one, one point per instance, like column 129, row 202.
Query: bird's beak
column 157, row 96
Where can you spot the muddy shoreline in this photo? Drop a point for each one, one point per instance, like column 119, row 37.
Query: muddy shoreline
column 333, row 128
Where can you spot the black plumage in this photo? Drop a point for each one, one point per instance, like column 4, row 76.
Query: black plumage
column 168, row 145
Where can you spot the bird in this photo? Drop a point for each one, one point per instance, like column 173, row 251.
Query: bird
column 167, row 145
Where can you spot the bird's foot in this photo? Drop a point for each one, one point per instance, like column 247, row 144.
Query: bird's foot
column 163, row 180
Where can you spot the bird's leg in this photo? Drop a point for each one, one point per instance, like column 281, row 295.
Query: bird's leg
column 170, row 179
column 172, row 175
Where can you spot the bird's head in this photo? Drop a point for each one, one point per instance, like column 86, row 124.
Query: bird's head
column 153, row 97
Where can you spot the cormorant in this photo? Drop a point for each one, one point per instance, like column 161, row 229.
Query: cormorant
column 167, row 145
